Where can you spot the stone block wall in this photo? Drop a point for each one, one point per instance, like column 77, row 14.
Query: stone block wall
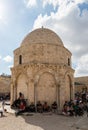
column 5, row 84
column 42, row 53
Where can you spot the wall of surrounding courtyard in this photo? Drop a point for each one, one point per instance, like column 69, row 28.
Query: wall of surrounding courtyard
column 5, row 84
column 81, row 83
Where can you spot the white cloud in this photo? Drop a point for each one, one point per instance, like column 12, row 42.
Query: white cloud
column 30, row 3
column 3, row 13
column 82, row 67
column 8, row 59
column 53, row 2
column 10, row 66
column 0, row 57
column 62, row 3
column 71, row 25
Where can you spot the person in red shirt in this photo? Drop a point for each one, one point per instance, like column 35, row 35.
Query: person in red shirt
column 22, row 108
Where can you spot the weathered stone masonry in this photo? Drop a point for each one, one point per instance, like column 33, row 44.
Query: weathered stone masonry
column 42, row 69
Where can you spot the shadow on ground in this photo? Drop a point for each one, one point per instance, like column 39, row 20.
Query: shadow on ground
column 50, row 121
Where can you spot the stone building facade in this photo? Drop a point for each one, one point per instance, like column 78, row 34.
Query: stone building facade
column 4, row 85
column 42, row 69
column 81, row 84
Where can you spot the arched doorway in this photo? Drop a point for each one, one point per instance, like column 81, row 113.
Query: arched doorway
column 46, row 88
column 68, row 88
column 22, row 85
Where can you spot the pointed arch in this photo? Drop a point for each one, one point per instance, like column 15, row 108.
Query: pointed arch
column 46, row 88
column 68, row 86
column 22, row 85
column 50, row 89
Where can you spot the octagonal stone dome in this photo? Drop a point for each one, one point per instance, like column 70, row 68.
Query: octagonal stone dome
column 42, row 36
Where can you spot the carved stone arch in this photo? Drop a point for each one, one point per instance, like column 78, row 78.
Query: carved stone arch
column 39, row 73
column 22, row 72
column 51, row 94
column 22, row 84
column 68, row 86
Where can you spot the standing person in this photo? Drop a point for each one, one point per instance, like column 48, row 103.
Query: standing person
column 2, row 108
column 3, row 104
column 87, row 108
column 1, row 111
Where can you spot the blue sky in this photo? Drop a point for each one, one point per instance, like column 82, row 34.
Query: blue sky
column 68, row 18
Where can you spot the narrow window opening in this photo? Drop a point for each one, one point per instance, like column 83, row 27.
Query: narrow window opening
column 69, row 61
column 20, row 59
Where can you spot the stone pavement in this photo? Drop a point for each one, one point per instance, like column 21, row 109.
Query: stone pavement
column 46, row 121
column 38, row 121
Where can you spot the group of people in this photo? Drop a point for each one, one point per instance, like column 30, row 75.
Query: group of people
column 21, row 106
column 38, row 108
column 71, row 108
column 19, row 102
column 45, row 107
column 77, row 107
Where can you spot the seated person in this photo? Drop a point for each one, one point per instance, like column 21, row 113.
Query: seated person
column 70, row 110
column 54, row 106
column 46, row 108
column 39, row 107
column 32, row 107
column 16, row 103
column 22, row 108
column 65, row 110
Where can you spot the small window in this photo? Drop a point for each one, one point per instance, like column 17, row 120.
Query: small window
column 20, row 59
column 69, row 61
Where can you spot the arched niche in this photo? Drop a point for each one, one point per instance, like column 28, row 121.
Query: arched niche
column 68, row 88
column 46, row 88
column 22, row 85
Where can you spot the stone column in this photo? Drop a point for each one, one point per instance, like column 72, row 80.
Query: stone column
column 12, row 94
column 35, row 95
column 62, row 93
column 58, row 96
column 15, row 91
column 28, row 101
column 72, row 91
column 35, row 90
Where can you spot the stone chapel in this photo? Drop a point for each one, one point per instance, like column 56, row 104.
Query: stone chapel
column 42, row 69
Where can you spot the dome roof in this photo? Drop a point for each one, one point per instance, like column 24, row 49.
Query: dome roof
column 43, row 36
